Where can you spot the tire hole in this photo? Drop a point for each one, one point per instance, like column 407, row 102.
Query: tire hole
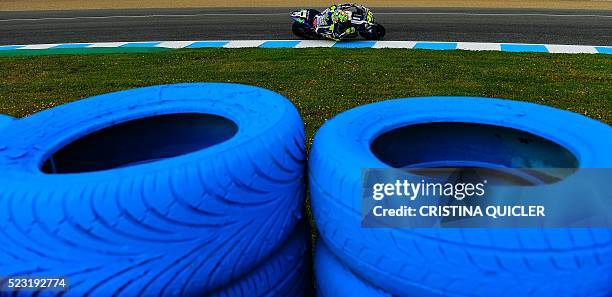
column 141, row 141
column 471, row 145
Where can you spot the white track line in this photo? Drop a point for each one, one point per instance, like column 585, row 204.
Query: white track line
column 394, row 44
column 570, row 49
column 139, row 16
column 315, row 43
column 272, row 14
column 478, row 46
column 174, row 44
column 244, row 43
column 40, row 46
column 107, row 44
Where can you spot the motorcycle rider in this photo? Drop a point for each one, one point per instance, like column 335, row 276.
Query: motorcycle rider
column 335, row 22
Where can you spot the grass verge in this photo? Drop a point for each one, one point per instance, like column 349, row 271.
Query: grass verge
column 82, row 51
column 321, row 82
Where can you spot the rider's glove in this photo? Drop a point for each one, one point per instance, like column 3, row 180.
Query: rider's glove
column 348, row 31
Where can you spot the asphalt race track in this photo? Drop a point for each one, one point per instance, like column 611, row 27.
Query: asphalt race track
column 477, row 25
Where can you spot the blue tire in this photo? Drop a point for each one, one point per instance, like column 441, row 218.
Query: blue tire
column 165, row 190
column 285, row 273
column 5, row 120
column 438, row 131
column 334, row 279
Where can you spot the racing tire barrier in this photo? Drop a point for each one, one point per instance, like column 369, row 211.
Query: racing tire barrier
column 285, row 273
column 334, row 279
column 436, row 131
column 165, row 190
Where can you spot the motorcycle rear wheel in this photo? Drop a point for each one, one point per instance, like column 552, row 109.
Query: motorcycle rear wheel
column 302, row 31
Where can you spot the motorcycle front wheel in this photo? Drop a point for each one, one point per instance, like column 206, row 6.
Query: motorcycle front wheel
column 374, row 32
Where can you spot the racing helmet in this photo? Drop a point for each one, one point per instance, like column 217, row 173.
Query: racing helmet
column 341, row 16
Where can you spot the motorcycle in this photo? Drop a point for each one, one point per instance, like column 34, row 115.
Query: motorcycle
column 361, row 18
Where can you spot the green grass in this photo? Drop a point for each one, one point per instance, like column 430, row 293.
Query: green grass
column 321, row 82
column 82, row 51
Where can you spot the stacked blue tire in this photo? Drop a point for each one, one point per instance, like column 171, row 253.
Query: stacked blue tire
column 173, row 190
column 5, row 120
column 453, row 132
